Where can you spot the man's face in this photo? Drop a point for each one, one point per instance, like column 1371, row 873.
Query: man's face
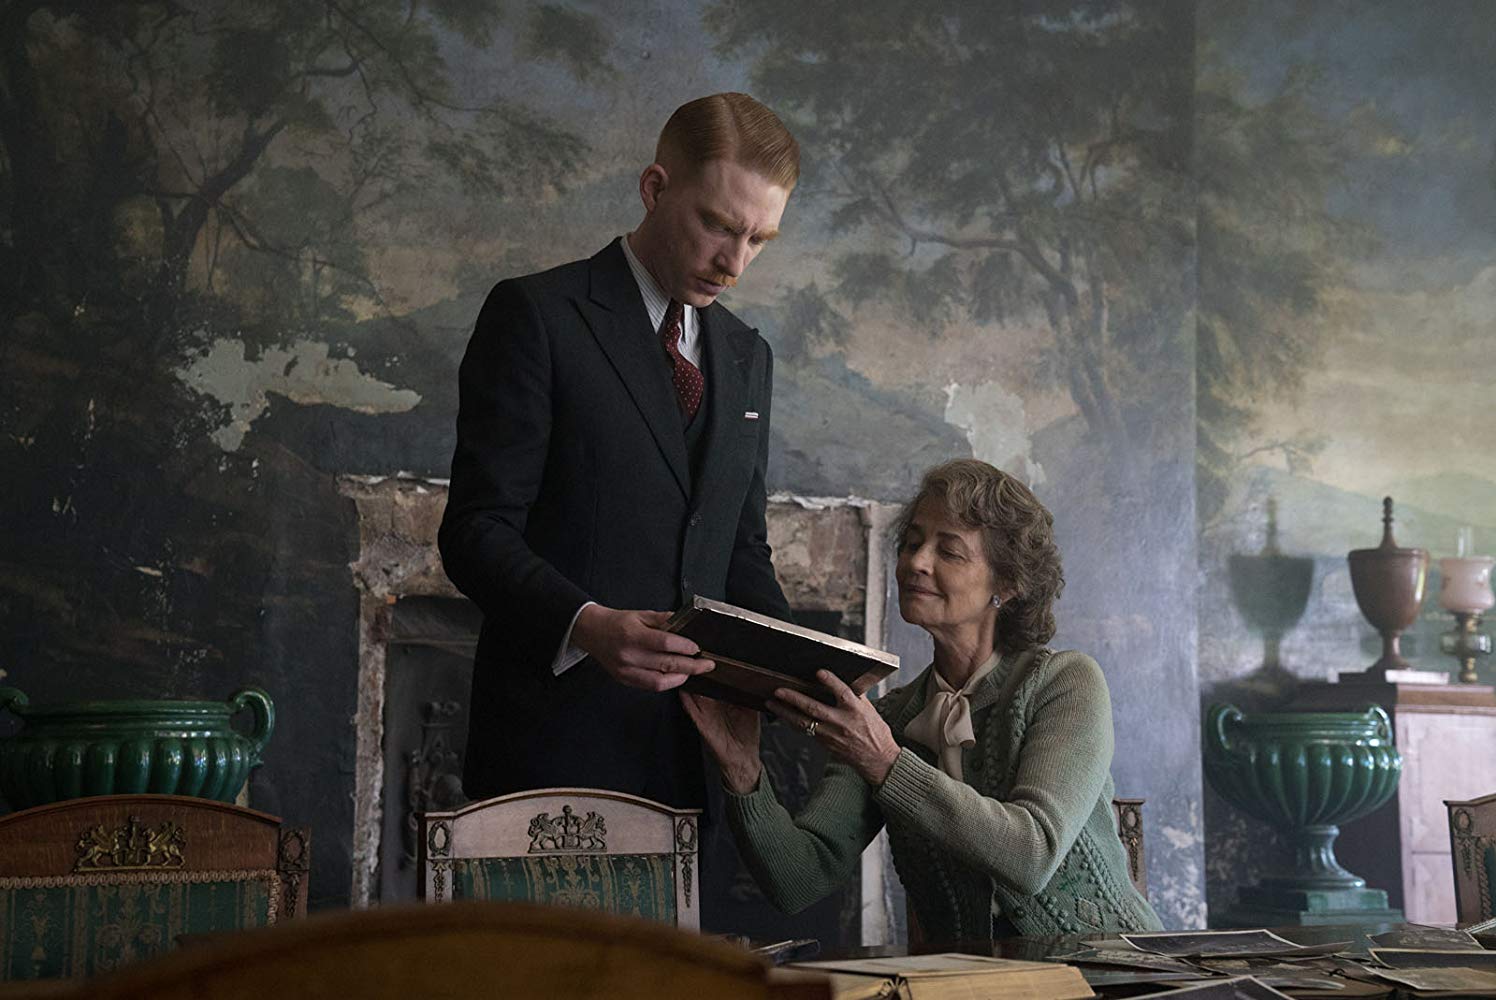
column 707, row 227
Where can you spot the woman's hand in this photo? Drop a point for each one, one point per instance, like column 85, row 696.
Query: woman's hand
column 851, row 729
column 731, row 733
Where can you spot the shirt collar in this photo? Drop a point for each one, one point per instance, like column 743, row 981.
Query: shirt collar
column 655, row 299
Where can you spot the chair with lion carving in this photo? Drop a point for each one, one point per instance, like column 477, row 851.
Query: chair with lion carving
column 1472, row 841
column 1129, row 816
column 89, row 885
column 582, row 847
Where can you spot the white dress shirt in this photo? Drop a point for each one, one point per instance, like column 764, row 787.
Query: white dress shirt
column 655, row 303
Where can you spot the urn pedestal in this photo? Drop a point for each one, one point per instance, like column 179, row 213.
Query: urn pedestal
column 1305, row 773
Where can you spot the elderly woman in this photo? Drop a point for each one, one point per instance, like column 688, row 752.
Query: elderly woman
column 991, row 770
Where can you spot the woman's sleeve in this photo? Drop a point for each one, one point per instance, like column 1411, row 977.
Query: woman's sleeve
column 798, row 860
column 1063, row 765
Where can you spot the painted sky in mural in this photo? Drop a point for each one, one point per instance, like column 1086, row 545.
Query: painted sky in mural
column 1362, row 190
column 1398, row 400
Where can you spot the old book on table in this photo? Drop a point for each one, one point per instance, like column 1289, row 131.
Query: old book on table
column 756, row 654
column 950, row 976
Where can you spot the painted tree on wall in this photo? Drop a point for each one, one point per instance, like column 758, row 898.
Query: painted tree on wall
column 1271, row 255
column 173, row 172
column 1005, row 159
column 152, row 123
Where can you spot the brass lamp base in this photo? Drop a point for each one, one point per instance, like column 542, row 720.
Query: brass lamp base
column 1466, row 643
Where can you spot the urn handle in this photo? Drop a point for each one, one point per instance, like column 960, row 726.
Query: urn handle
column 13, row 699
column 1384, row 724
column 1218, row 718
column 258, row 702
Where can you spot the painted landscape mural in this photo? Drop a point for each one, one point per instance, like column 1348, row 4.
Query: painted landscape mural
column 1347, row 346
column 1169, row 262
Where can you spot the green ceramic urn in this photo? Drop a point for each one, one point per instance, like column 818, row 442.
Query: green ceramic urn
column 1305, row 773
column 75, row 749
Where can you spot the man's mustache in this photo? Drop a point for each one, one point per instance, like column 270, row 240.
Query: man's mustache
column 719, row 278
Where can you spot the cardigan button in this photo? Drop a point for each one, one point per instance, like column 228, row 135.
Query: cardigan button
column 1019, row 912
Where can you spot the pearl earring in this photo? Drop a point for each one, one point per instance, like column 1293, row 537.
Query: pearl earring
column 997, row 601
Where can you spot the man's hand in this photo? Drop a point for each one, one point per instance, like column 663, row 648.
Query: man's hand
column 635, row 650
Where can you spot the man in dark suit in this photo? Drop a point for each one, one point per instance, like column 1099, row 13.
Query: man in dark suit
column 612, row 438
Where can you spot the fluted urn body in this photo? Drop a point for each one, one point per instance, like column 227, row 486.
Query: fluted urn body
column 1304, row 773
column 77, row 749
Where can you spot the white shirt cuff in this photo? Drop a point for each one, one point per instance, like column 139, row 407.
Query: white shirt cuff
column 568, row 655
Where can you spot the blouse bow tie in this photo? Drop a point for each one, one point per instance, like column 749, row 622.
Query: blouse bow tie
column 944, row 724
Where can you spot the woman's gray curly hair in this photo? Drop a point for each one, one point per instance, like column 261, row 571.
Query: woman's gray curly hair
column 1018, row 541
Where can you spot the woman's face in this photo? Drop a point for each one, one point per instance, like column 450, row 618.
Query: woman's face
column 944, row 579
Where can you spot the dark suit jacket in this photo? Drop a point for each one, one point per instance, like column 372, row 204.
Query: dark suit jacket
column 571, row 482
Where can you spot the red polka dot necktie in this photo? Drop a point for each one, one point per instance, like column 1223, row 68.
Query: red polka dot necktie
column 689, row 384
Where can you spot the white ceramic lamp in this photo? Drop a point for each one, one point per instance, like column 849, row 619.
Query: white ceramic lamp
column 1465, row 592
column 1466, row 583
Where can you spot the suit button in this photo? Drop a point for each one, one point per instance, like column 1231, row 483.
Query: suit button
column 695, row 520
column 685, row 585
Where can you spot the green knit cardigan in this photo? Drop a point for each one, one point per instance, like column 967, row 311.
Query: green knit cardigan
column 1029, row 835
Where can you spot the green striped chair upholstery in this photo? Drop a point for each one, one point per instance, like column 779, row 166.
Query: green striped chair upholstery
column 588, row 848
column 89, row 885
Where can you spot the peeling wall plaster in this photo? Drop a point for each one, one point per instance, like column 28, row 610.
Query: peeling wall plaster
column 303, row 373
column 994, row 422
column 1177, row 889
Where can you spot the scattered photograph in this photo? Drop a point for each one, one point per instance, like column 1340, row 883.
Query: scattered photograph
column 1206, row 943
column 1423, row 937
column 1245, row 988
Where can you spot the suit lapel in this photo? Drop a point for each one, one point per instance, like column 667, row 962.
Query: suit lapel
column 725, row 344
column 615, row 313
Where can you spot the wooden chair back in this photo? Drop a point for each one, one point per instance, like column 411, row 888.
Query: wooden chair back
column 464, row 951
column 1472, row 841
column 1129, row 813
column 582, row 847
column 89, row 885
